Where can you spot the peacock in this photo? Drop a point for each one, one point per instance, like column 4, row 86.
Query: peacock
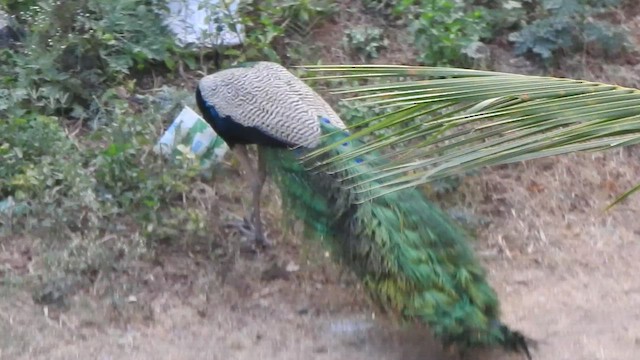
column 413, row 260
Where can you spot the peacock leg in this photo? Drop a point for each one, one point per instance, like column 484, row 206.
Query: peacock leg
column 252, row 227
column 258, row 184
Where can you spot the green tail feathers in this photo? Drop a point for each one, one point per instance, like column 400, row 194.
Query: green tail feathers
column 412, row 258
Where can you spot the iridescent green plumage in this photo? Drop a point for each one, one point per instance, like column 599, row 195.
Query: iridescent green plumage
column 414, row 261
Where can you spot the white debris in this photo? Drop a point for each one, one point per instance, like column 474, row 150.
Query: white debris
column 292, row 267
column 191, row 132
column 205, row 22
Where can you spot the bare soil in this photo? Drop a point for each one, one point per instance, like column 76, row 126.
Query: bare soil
column 566, row 273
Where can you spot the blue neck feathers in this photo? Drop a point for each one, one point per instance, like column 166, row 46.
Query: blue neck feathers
column 232, row 131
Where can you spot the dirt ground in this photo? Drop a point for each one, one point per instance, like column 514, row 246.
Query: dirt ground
column 566, row 273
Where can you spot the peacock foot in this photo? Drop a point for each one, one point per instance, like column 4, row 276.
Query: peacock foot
column 246, row 228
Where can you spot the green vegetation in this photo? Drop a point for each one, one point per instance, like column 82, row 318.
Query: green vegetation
column 557, row 28
column 445, row 32
column 442, row 30
column 365, row 42
column 76, row 139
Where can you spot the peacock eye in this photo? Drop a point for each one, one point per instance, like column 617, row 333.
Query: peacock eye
column 358, row 161
column 326, row 121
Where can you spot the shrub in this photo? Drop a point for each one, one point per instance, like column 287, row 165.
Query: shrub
column 79, row 184
column 366, row 42
column 73, row 50
column 442, row 30
column 273, row 28
column 569, row 26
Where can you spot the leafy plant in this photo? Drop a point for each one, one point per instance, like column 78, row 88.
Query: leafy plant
column 270, row 26
column 42, row 169
column 365, row 41
column 26, row 142
column 442, row 30
column 73, row 51
column 384, row 8
column 84, row 188
column 561, row 27
column 504, row 16
column 78, row 61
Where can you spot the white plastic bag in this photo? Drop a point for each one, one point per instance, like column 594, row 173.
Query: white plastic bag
column 204, row 22
column 192, row 132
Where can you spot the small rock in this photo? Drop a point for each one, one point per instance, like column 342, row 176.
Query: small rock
column 321, row 349
column 275, row 272
column 292, row 267
column 202, row 312
column 303, row 311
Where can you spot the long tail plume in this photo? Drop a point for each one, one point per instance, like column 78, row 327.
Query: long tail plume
column 413, row 260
